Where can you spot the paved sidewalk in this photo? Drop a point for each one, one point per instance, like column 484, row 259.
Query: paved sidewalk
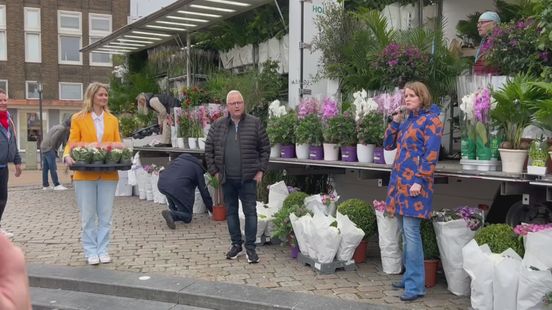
column 46, row 225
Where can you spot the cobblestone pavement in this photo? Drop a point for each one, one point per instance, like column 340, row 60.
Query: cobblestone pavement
column 46, row 226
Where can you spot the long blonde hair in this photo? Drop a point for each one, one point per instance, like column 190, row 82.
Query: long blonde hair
column 88, row 103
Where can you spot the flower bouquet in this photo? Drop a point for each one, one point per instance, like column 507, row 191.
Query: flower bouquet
column 389, row 234
column 454, row 228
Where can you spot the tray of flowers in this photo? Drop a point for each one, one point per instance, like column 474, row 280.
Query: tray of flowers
column 108, row 157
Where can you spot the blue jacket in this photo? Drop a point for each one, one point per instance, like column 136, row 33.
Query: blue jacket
column 8, row 147
column 417, row 140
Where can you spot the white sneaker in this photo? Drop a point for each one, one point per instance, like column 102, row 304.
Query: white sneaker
column 105, row 259
column 46, row 188
column 6, row 233
column 93, row 260
column 60, row 188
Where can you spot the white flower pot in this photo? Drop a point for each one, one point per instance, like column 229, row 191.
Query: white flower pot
column 331, row 151
column 536, row 170
column 201, row 143
column 513, row 161
column 180, row 143
column 275, row 151
column 389, row 156
column 365, row 153
column 302, row 151
column 192, row 143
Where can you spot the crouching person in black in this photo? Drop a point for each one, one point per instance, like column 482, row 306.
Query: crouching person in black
column 178, row 182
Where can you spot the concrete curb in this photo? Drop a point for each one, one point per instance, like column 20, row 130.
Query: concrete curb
column 181, row 291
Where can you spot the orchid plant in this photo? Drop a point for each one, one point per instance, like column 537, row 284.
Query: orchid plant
column 363, row 105
column 472, row 216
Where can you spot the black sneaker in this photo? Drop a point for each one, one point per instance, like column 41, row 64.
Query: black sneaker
column 168, row 218
column 234, row 252
column 252, row 256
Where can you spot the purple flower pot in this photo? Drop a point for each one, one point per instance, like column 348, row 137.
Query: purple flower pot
column 348, row 153
column 316, row 152
column 378, row 156
column 287, row 151
column 294, row 251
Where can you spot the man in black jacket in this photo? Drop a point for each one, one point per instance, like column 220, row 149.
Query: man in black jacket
column 162, row 104
column 237, row 151
column 178, row 182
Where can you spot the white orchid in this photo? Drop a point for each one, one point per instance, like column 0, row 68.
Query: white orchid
column 275, row 109
column 467, row 105
column 360, row 103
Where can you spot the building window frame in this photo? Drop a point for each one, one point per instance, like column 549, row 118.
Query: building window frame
column 70, row 83
column 32, row 31
column 95, row 35
column 69, row 32
column 27, row 94
column 6, row 89
column 4, row 34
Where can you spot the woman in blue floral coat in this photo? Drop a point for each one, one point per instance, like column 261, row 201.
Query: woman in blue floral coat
column 410, row 191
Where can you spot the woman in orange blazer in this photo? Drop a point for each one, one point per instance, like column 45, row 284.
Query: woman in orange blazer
column 95, row 191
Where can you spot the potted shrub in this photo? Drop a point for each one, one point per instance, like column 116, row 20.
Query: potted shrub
column 500, row 237
column 219, row 211
column 309, row 133
column 294, row 203
column 370, row 133
column 431, row 252
column 362, row 214
column 538, row 156
column 513, row 112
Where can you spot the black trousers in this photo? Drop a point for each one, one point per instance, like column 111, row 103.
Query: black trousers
column 4, row 175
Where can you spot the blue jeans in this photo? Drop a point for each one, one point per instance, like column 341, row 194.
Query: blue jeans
column 49, row 163
column 179, row 211
column 234, row 189
column 95, row 201
column 414, row 275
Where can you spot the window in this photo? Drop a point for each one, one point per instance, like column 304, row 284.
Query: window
column 3, row 44
column 33, row 49
column 100, row 26
column 70, row 37
column 4, row 85
column 31, row 90
column 70, row 91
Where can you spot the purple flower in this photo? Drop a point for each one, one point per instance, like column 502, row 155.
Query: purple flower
column 544, row 56
column 393, row 62
column 329, row 108
column 308, row 106
column 482, row 105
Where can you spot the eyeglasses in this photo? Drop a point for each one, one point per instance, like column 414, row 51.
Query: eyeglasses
column 484, row 22
column 236, row 103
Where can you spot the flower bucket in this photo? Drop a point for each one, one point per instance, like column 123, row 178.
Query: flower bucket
column 192, row 143
column 378, row 156
column 365, row 153
column 513, row 161
column 302, row 151
column 219, row 213
column 349, row 153
column 275, row 151
column 389, row 156
column 287, row 151
column 331, row 151
column 201, row 143
column 294, row 251
column 430, row 268
column 316, row 152
column 360, row 252
column 180, row 143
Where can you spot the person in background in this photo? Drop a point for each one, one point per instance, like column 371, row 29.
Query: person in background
column 8, row 153
column 14, row 283
column 95, row 191
column 162, row 105
column 237, row 151
column 56, row 136
column 178, row 182
column 485, row 25
column 410, row 190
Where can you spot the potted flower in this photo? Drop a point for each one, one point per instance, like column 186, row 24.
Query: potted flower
column 538, row 156
column 98, row 155
column 309, row 133
column 281, row 130
column 347, row 136
column 362, row 214
column 126, row 156
column 113, row 154
column 514, row 111
column 81, row 155
column 184, row 126
column 370, row 135
column 389, row 237
column 431, row 252
column 388, row 103
column 330, row 127
column 219, row 211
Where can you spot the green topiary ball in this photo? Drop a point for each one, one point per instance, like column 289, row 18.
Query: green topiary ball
column 295, row 198
column 500, row 237
column 361, row 213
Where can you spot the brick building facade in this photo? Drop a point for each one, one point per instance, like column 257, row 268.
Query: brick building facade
column 39, row 43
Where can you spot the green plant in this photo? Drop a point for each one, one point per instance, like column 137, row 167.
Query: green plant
column 214, row 182
column 515, row 106
column 294, row 203
column 185, row 125
column 499, row 237
column 543, row 113
column 361, row 213
column 538, row 153
column 429, row 240
column 282, row 129
column 309, row 130
column 126, row 156
column 341, row 129
column 467, row 29
column 128, row 124
column 123, row 90
column 370, row 129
